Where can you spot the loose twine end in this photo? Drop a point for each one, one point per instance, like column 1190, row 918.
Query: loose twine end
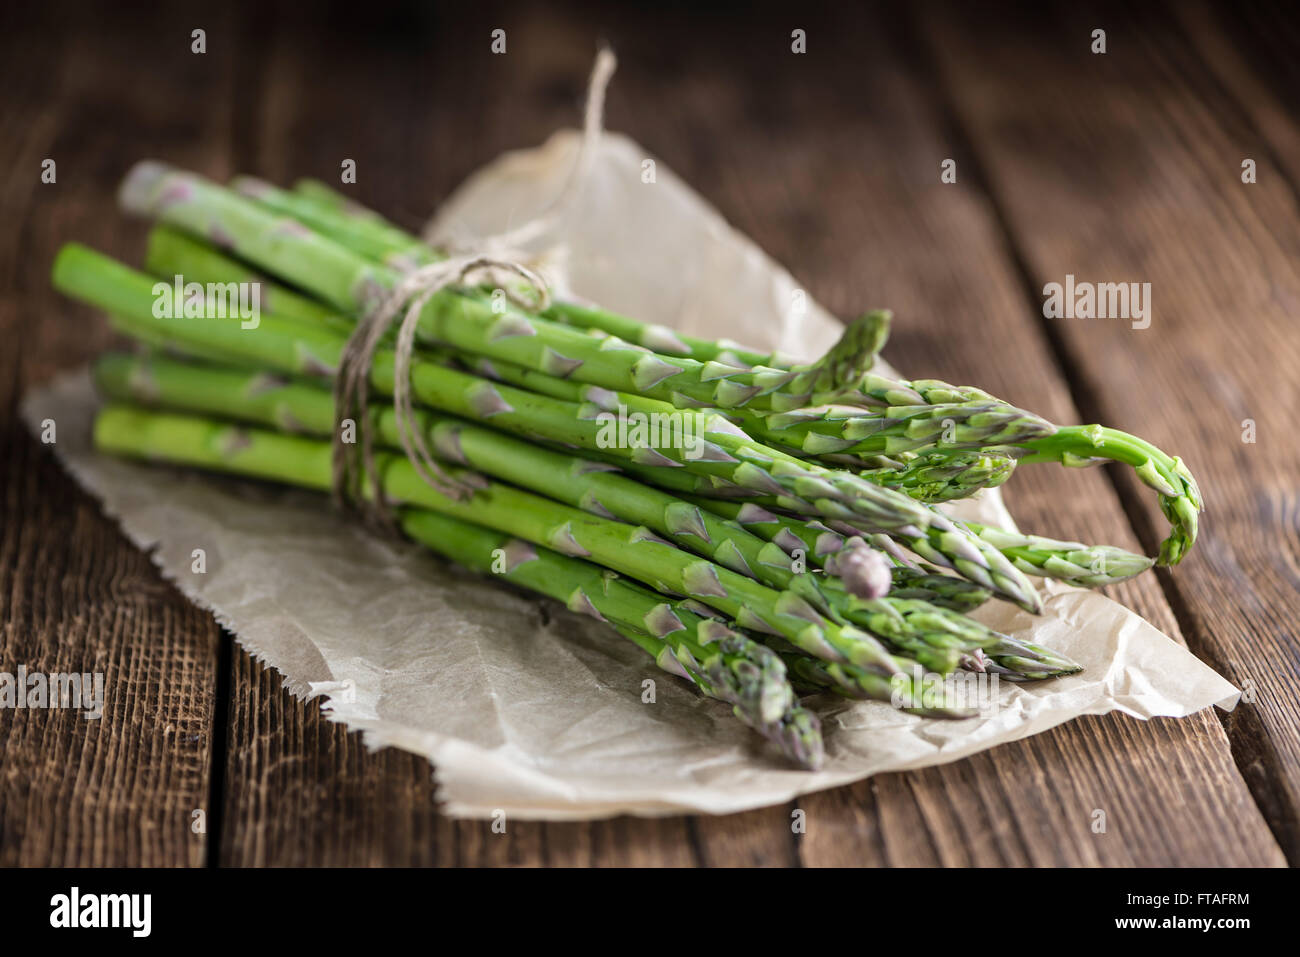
column 355, row 471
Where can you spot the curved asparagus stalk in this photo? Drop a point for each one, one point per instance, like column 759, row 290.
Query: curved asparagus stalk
column 1079, row 445
column 1036, row 440
column 1180, row 498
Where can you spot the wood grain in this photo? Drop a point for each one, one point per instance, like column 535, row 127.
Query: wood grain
column 1250, row 51
column 75, row 596
column 1222, row 347
column 877, row 233
column 299, row 791
column 831, row 162
column 934, row 253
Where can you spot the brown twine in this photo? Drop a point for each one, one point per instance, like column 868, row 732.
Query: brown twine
column 562, row 205
column 414, row 290
column 351, row 385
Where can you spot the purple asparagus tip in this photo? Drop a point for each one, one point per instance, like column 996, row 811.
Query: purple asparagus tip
column 864, row 571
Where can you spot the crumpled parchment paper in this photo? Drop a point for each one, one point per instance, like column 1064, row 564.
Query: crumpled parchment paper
column 522, row 706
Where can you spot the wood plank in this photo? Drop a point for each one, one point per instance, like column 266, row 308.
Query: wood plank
column 298, row 789
column 1250, row 50
column 404, row 168
column 1127, row 167
column 301, row 791
column 75, row 595
column 895, row 235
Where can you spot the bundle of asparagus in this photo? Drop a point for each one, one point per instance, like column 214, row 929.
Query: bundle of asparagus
column 763, row 528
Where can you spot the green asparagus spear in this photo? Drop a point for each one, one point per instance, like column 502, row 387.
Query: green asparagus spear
column 734, row 668
column 1084, row 566
column 725, row 453
column 173, row 253
column 823, row 674
column 289, row 248
column 302, row 408
column 797, row 732
column 367, row 236
column 1016, row 660
column 631, row 550
column 1180, row 498
column 947, row 427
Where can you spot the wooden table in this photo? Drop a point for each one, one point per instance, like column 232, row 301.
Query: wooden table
column 1125, row 166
